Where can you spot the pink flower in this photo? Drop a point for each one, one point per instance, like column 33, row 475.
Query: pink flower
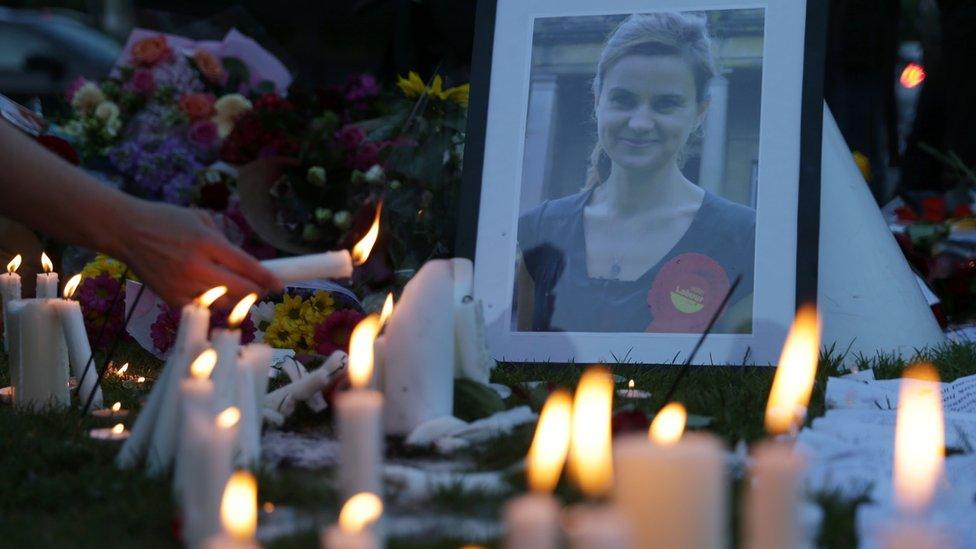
column 143, row 81
column 351, row 136
column 361, row 87
column 333, row 333
column 163, row 330
column 202, row 133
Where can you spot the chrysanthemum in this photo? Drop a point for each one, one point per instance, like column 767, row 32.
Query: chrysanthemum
column 333, row 334
column 316, row 308
column 282, row 336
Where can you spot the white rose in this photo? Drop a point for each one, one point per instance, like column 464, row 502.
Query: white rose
column 227, row 109
column 107, row 111
column 87, row 97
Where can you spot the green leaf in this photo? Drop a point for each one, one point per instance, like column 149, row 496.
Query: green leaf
column 473, row 400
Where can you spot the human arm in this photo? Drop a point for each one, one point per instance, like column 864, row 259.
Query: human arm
column 178, row 252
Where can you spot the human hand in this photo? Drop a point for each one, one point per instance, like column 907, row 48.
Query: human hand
column 180, row 253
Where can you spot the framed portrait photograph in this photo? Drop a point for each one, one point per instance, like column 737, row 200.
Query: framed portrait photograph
column 640, row 171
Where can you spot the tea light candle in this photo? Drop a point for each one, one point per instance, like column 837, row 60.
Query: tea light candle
column 359, row 417
column 79, row 351
column 238, row 514
column 10, row 289
column 337, row 264
column 353, row 530
column 114, row 412
column 688, row 506
column 631, row 392
column 47, row 282
column 118, row 432
column 532, row 520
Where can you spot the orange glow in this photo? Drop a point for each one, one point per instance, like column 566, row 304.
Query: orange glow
column 228, row 418
column 387, row 311
column 912, row 75
column 239, row 312
column 14, row 264
column 669, row 424
column 207, row 298
column 239, row 506
column 793, row 383
column 359, row 512
column 71, row 285
column 360, row 252
column 203, row 364
column 547, row 455
column 361, row 351
column 122, row 370
column 919, row 438
column 590, row 450
column 46, row 263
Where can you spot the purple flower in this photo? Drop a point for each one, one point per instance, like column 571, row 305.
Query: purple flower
column 179, row 74
column 97, row 293
column 202, row 133
column 142, row 81
column 361, row 86
column 157, row 168
column 351, row 136
column 163, row 330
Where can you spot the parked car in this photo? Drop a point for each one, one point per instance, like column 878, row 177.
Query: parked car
column 41, row 53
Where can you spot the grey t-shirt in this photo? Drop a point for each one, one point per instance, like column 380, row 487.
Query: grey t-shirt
column 679, row 294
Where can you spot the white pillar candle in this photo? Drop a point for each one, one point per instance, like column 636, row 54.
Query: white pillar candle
column 532, row 522
column 252, row 366
column 10, row 289
column 418, row 378
column 42, row 375
column 161, row 412
column 219, row 457
column 773, row 497
column 196, row 395
column 79, row 350
column 336, row 264
column 47, row 282
column 227, row 343
column 359, row 417
column 672, row 495
column 592, row 526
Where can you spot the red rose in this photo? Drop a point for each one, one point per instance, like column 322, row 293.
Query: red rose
column 197, row 105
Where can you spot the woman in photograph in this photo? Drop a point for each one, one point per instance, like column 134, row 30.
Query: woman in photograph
column 641, row 248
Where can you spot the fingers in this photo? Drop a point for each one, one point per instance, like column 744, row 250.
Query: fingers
column 237, row 286
column 243, row 264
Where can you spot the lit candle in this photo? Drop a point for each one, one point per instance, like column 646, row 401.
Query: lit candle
column 688, row 505
column 114, row 412
column 774, row 496
column 79, row 351
column 532, row 520
column 379, row 345
column 196, row 391
column 353, row 531
column 631, row 392
column 919, row 462
column 418, row 361
column 205, row 482
column 238, row 514
column 10, row 290
column 117, row 432
column 336, row 264
column 594, row 525
column 359, row 417
column 253, row 364
column 39, row 373
column 155, row 432
column 47, row 282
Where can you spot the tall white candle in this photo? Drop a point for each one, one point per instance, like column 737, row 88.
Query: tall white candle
column 227, row 343
column 10, row 289
column 234, row 384
column 306, row 267
column 197, row 428
column 42, row 375
column 79, row 350
column 418, row 367
column 353, row 530
column 220, row 460
column 162, row 409
column 688, row 505
column 252, row 365
column 47, row 282
column 359, row 417
column 532, row 520
column 237, row 509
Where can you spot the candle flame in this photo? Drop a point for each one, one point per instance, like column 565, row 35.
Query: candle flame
column 919, row 438
column 361, row 351
column 117, row 406
column 118, row 429
column 14, row 264
column 207, row 298
column 140, row 379
column 46, row 263
column 547, row 455
column 203, row 364
column 589, row 452
column 793, row 383
column 122, row 370
column 228, row 418
column 630, row 385
column 360, row 252
column 359, row 512
column 669, row 424
column 239, row 506
column 387, row 311
column 71, row 285
column 239, row 312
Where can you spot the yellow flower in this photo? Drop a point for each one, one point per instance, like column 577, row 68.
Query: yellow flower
column 412, row 86
column 863, row 164
column 103, row 264
column 281, row 335
column 319, row 306
column 289, row 309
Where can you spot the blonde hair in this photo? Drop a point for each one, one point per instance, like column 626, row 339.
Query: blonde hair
column 664, row 33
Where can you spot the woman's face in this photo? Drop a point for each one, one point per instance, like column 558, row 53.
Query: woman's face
column 646, row 111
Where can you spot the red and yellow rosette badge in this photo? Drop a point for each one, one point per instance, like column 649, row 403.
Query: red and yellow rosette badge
column 686, row 293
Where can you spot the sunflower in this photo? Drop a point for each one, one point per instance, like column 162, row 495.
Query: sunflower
column 413, row 87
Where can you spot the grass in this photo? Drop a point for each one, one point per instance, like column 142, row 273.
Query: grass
column 60, row 488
